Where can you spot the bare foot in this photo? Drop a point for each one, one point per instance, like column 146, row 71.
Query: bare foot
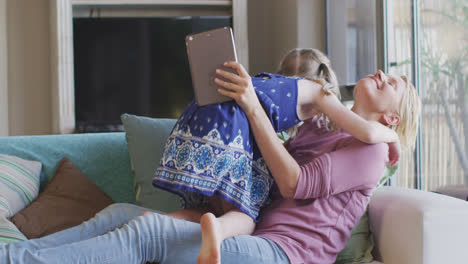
column 211, row 240
column 145, row 213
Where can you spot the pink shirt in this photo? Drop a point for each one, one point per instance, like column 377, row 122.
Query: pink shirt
column 338, row 174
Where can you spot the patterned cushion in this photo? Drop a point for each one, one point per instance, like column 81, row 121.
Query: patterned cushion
column 19, row 186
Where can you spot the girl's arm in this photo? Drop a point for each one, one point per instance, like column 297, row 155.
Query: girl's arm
column 311, row 96
column 282, row 165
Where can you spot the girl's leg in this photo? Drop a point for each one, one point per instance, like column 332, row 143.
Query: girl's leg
column 214, row 230
column 214, row 205
column 192, row 215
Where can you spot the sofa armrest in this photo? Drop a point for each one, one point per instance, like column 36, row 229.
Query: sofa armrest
column 412, row 226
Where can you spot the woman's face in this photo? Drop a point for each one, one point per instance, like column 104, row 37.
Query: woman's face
column 379, row 93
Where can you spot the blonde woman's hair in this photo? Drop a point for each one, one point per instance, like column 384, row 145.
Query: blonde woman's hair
column 409, row 111
column 311, row 64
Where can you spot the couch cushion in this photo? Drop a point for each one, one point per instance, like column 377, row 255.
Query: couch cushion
column 102, row 157
column 19, row 186
column 146, row 138
column 414, row 226
column 69, row 199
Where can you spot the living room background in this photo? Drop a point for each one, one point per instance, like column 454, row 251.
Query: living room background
column 28, row 47
column 274, row 27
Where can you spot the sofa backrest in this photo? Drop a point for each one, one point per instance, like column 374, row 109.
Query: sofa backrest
column 102, row 157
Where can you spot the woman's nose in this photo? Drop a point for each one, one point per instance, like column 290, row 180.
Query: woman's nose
column 380, row 75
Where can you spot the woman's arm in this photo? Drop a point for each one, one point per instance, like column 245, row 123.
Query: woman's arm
column 282, row 165
column 312, row 97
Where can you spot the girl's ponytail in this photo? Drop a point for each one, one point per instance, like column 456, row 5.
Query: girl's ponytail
column 329, row 76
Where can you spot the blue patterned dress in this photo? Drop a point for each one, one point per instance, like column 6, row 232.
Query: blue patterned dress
column 211, row 149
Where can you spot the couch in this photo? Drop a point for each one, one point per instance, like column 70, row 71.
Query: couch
column 408, row 226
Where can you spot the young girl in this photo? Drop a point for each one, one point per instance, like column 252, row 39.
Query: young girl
column 211, row 153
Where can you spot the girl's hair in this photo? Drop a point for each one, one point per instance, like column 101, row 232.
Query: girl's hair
column 311, row 64
column 409, row 111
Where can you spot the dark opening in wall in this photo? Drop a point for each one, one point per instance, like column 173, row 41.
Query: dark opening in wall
column 133, row 65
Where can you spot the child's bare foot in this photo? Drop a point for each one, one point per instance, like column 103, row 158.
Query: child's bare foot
column 145, row 213
column 211, row 240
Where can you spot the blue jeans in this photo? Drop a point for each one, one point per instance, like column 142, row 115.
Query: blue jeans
column 118, row 234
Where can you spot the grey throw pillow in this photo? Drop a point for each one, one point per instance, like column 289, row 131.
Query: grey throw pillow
column 146, row 138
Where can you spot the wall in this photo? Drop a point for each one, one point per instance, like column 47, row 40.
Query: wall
column 275, row 26
column 312, row 28
column 272, row 32
column 4, row 126
column 338, row 40
column 284, row 23
column 28, row 67
column 259, row 35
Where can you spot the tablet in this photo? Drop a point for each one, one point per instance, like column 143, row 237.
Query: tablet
column 207, row 51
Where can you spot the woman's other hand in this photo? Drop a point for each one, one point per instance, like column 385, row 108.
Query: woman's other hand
column 394, row 150
column 239, row 87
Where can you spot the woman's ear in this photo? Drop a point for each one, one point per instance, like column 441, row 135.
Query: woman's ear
column 391, row 118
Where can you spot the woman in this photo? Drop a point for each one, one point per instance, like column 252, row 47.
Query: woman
column 212, row 161
column 324, row 183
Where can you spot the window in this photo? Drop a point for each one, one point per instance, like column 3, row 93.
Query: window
column 400, row 62
column 425, row 40
column 443, row 87
column 437, row 29
column 352, row 39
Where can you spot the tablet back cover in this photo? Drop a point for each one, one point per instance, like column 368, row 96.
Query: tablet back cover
column 207, row 51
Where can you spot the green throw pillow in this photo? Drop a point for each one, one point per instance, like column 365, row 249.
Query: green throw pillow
column 146, row 138
column 360, row 244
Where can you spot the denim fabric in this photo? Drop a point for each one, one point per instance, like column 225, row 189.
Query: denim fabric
column 119, row 235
